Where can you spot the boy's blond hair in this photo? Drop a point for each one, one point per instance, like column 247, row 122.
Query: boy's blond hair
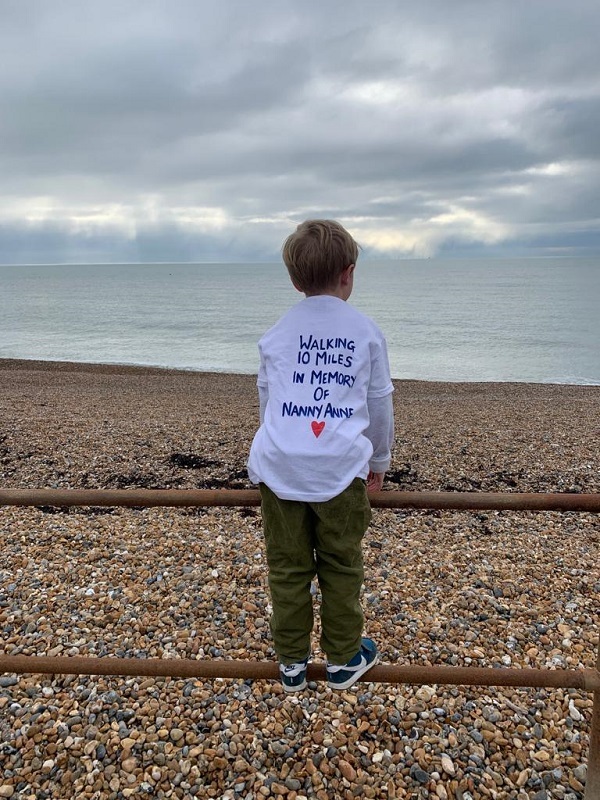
column 318, row 252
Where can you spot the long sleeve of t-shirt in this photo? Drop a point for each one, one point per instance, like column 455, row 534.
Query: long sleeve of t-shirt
column 380, row 431
column 263, row 399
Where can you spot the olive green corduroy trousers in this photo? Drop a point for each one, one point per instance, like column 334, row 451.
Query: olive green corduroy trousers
column 323, row 539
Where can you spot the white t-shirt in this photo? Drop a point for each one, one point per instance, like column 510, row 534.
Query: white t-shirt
column 324, row 365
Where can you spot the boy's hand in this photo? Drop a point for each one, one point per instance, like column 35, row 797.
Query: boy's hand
column 375, row 481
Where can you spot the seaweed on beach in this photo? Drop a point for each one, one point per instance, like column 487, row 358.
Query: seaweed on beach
column 406, row 474
column 191, row 461
column 139, row 480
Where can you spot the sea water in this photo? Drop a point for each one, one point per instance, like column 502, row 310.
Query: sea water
column 534, row 320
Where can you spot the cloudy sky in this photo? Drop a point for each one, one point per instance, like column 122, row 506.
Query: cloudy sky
column 204, row 130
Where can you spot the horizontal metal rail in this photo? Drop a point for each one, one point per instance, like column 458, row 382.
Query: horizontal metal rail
column 585, row 679
column 145, row 498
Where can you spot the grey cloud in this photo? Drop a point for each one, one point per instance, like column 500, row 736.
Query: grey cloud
column 572, row 126
column 391, row 112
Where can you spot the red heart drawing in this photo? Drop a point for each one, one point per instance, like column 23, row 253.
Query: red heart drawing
column 317, row 428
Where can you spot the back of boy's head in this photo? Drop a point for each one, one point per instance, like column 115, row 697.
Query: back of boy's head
column 317, row 253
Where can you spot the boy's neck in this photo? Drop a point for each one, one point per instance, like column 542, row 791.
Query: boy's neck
column 324, row 294
column 341, row 289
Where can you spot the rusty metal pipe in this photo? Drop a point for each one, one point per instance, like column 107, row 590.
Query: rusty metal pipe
column 145, row 498
column 584, row 679
column 592, row 784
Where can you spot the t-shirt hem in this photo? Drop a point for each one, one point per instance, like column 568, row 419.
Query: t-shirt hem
column 304, row 498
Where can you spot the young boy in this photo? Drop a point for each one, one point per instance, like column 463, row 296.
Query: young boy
column 326, row 427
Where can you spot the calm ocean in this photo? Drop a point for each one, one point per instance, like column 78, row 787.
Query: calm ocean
column 534, row 320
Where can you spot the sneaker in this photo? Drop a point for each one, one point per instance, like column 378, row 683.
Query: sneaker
column 342, row 677
column 293, row 676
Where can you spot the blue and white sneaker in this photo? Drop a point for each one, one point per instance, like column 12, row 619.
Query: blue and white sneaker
column 342, row 677
column 293, row 676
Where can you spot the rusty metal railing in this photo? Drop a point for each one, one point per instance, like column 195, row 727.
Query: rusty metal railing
column 583, row 679
column 145, row 498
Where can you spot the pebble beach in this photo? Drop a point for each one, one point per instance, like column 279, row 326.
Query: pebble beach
column 458, row 588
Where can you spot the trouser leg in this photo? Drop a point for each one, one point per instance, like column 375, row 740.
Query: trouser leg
column 288, row 529
column 342, row 523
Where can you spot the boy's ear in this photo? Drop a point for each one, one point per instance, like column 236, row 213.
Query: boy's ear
column 347, row 274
